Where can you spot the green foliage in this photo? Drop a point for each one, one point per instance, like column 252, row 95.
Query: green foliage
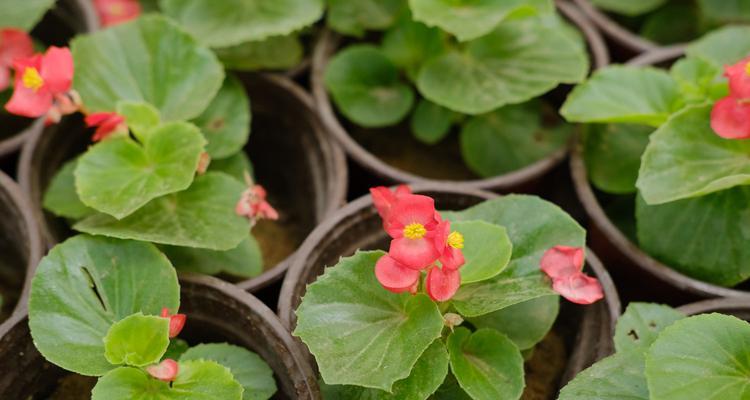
column 430, row 123
column 612, row 153
column 526, row 323
column 629, row 7
column 137, row 340
column 23, row 15
column 276, row 52
column 61, row 198
column 354, row 17
column 487, row 250
column 641, row 324
column 226, row 122
column 244, row 261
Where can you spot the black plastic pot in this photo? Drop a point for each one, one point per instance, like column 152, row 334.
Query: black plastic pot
column 302, row 169
column 739, row 308
column 586, row 331
column 217, row 312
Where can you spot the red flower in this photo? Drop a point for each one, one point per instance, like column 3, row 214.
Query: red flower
column 39, row 80
column 739, row 78
column 113, row 12
column 396, row 277
column 383, row 198
column 412, row 223
column 253, row 203
column 176, row 322
column 564, row 264
column 106, row 123
column 164, row 371
column 13, row 44
column 442, row 283
column 449, row 245
column 730, row 118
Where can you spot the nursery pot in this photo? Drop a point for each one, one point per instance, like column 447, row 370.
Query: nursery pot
column 737, row 307
column 57, row 27
column 303, row 171
column 216, row 311
column 586, row 330
column 630, row 41
column 415, row 153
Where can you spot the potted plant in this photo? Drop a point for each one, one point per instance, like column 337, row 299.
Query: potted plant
column 659, row 152
column 377, row 327
column 432, row 68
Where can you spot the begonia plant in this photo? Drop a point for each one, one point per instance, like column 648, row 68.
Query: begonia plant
column 430, row 311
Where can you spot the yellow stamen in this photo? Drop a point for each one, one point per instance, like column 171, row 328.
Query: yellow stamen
column 117, row 9
column 31, row 79
column 747, row 68
column 415, row 231
column 456, row 240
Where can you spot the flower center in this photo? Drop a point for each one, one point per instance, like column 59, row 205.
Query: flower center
column 117, row 9
column 415, row 231
column 31, row 79
column 747, row 68
column 456, row 240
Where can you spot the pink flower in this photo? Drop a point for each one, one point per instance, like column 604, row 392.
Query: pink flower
column 395, row 277
column 730, row 118
column 164, row 371
column 383, row 198
column 113, row 12
column 449, row 245
column 253, row 203
column 412, row 223
column 739, row 78
column 13, row 44
column 564, row 264
column 176, row 322
column 106, row 123
column 442, row 283
column 39, row 80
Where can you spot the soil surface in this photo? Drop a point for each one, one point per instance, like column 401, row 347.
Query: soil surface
column 278, row 239
column 544, row 368
column 73, row 387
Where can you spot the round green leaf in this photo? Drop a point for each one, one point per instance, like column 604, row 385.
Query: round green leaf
column 701, row 357
column 149, row 59
column 255, row 376
column 118, row 176
column 526, row 324
column 226, row 121
column 23, row 15
column 245, row 260
column 202, row 216
column 409, row 44
column 487, row 249
column 617, row 377
column 629, row 7
column 641, row 324
column 518, row 61
column 276, row 52
column 196, row 380
column 140, row 117
column 85, row 285
column 486, row 364
column 61, row 198
column 366, row 87
column 613, row 155
column 723, row 46
column 360, row 333
column 430, row 122
column 137, row 340
column 231, row 22
column 354, row 17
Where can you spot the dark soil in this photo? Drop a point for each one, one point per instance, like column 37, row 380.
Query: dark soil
column 73, row 387
column 544, row 369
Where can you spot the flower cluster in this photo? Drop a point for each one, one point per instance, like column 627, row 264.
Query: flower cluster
column 421, row 240
column 253, row 203
column 730, row 116
column 563, row 265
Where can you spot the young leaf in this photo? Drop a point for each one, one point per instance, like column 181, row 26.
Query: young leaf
column 226, row 121
column 147, row 60
column 202, row 216
column 360, row 333
column 430, row 122
column 86, row 284
column 196, row 380
column 700, row 357
column 526, row 324
column 140, row 117
column 61, row 198
column 24, row 15
column 354, row 17
column 487, row 249
column 366, row 88
column 617, row 377
column 630, row 7
column 613, row 155
column 275, row 52
column 724, row 46
column 244, row 261
column 685, row 158
column 137, row 340
column 409, row 44
column 518, row 61
column 231, row 22
column 641, row 324
column 255, row 376
column 639, row 95
column 487, row 365
column 118, row 176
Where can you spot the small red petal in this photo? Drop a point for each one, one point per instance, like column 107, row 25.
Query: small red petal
column 442, row 284
column 414, row 253
column 579, row 288
column 452, row 258
column 176, row 323
column 395, row 277
column 730, row 118
column 561, row 261
column 164, row 371
column 739, row 79
column 57, row 69
column 382, row 199
column 14, row 44
column 28, row 103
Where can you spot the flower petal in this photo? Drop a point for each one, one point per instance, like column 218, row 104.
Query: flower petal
column 452, row 258
column 4, row 78
column 739, row 79
column 414, row 253
column 164, row 371
column 562, row 261
column 442, row 284
column 730, row 118
column 395, row 277
column 579, row 288
column 113, row 12
column 382, row 199
column 28, row 103
column 14, row 44
column 57, row 69
column 408, row 209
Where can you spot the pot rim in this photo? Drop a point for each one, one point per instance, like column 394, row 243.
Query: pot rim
column 714, row 305
column 329, row 41
column 612, row 29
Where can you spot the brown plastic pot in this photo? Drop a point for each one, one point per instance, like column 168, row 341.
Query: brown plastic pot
column 358, row 226
column 61, row 23
column 302, row 169
column 217, row 312
column 329, row 42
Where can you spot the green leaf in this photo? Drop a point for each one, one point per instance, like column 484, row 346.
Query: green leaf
column 639, row 95
column 202, row 216
column 701, row 357
column 360, row 333
column 196, row 380
column 487, row 249
column 526, row 324
column 504, row 290
column 686, row 158
column 617, row 377
column 509, row 138
column 140, row 117
column 118, row 176
column 147, row 60
column 354, row 17
column 235, row 166
column 425, row 378
column 226, row 121
column 450, row 390
column 409, row 43
column 723, row 46
column 699, row 80
column 23, row 15
column 518, row 61
column 244, row 261
column 430, row 122
column 366, row 87
column 486, row 364
column 613, row 155
column 629, row 7
column 231, row 22
column 725, row 11
column 469, row 20
column 705, row 237
column 137, row 340
column 675, row 22
column 641, row 324
column 86, row 284
column 255, row 376
column 275, row 52
column 177, row 347
column 61, row 198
